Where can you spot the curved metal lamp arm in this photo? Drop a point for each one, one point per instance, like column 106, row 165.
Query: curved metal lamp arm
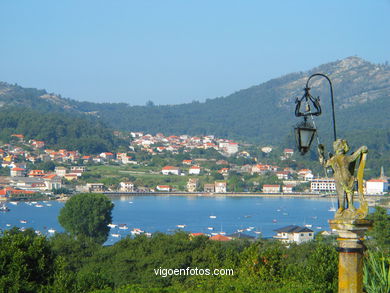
column 331, row 96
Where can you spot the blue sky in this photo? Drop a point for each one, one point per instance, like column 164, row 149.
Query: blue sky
column 178, row 51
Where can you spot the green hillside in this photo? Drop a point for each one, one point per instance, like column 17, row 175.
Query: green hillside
column 58, row 130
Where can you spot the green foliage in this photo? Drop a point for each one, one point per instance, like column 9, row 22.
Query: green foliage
column 27, row 263
column 87, row 215
column 376, row 276
column 58, row 130
column 381, row 229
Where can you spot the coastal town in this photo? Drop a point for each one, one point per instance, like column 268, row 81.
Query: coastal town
column 160, row 164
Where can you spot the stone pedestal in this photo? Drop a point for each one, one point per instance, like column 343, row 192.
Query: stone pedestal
column 350, row 247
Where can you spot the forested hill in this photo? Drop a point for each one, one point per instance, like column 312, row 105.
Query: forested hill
column 262, row 113
column 58, row 130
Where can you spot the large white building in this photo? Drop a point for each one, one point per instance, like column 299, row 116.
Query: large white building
column 323, row 184
column 377, row 186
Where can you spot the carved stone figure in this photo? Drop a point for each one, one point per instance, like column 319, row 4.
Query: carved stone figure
column 343, row 166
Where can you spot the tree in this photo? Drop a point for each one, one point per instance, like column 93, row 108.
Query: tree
column 381, row 229
column 27, row 262
column 87, row 215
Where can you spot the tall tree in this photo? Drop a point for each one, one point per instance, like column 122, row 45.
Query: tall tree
column 87, row 215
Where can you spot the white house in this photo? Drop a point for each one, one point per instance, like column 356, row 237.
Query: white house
column 305, row 174
column 377, row 186
column 163, row 188
column 170, row 170
column 194, row 170
column 220, row 186
column 126, row 186
column 294, row 233
column 287, row 188
column 271, row 188
column 17, row 172
column 60, row 171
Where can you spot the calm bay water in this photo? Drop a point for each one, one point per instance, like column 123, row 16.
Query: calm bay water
column 164, row 213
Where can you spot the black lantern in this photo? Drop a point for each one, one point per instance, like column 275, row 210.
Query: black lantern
column 306, row 106
column 304, row 135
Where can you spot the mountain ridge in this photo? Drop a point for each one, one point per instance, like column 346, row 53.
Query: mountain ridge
column 258, row 113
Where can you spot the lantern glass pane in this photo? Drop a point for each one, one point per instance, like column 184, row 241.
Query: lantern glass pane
column 306, row 137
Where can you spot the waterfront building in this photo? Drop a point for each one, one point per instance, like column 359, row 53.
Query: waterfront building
column 163, row 188
column 126, row 186
column 192, row 184
column 95, row 187
column 220, row 186
column 209, row 188
column 323, row 184
column 377, row 186
column 271, row 188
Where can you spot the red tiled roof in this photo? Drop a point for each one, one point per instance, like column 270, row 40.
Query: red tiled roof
column 169, row 168
column 220, row 238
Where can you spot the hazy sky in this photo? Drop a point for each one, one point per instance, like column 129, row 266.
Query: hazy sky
column 173, row 52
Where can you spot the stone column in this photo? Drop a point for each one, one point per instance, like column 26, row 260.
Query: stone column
column 350, row 247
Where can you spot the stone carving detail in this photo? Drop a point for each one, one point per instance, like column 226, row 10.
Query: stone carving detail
column 343, row 166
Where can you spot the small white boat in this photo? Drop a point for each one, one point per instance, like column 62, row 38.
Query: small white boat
column 39, row 206
column 8, row 225
column 181, row 226
column 112, row 225
column 308, row 225
column 332, row 209
column 257, row 232
column 213, row 217
column 14, row 203
column 278, row 210
column 115, row 235
column 240, row 230
column 23, row 221
column 285, row 214
column 210, row 228
column 123, row 227
column 4, row 208
column 34, row 202
column 222, row 233
column 38, row 232
column 49, row 204
column 51, row 231
column 136, row 231
column 148, row 234
column 274, row 221
column 319, row 227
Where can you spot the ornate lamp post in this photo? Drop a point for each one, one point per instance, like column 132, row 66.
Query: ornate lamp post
column 349, row 222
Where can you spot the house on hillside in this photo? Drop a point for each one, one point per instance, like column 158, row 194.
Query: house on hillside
column 170, row 170
column 194, row 170
column 294, row 233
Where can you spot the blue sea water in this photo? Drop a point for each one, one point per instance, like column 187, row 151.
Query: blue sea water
column 164, row 213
